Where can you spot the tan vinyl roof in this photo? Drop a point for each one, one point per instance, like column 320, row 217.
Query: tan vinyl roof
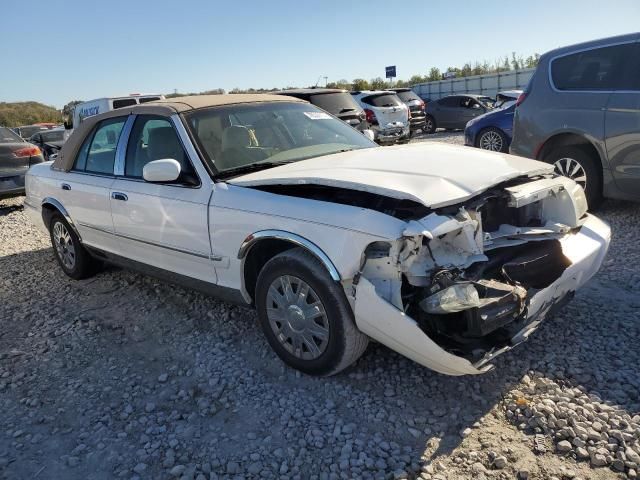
column 166, row 108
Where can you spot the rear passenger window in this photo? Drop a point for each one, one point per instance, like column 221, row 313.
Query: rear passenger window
column 98, row 152
column 597, row 69
column 124, row 102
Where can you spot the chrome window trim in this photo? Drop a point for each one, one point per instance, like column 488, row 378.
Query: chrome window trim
column 587, row 49
column 123, row 141
column 184, row 138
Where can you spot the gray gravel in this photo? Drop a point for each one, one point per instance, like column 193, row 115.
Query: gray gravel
column 123, row 376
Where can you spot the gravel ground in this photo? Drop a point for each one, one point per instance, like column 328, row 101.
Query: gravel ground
column 123, row 376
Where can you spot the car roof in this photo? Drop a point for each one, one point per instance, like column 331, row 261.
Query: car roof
column 164, row 108
column 403, row 89
column 373, row 92
column 629, row 37
column 310, row 91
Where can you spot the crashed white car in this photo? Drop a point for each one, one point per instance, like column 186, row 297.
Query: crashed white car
column 447, row 255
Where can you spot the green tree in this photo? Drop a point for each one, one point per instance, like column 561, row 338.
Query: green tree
column 26, row 113
column 434, row 74
column 378, row 83
column 361, row 84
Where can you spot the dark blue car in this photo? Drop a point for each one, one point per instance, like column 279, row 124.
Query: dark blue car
column 491, row 131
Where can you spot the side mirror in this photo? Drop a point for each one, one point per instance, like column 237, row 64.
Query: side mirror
column 161, row 171
column 369, row 134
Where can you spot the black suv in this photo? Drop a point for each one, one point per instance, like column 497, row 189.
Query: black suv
column 416, row 107
column 581, row 113
column 335, row 101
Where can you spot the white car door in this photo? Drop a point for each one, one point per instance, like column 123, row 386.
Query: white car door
column 163, row 225
column 84, row 190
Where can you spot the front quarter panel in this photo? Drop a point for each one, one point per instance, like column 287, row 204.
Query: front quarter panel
column 342, row 232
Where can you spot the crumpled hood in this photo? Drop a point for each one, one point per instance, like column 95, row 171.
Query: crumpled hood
column 434, row 174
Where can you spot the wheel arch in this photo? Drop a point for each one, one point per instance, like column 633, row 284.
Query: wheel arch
column 50, row 206
column 259, row 247
column 569, row 139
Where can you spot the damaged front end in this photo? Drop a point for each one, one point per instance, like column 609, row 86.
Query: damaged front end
column 468, row 282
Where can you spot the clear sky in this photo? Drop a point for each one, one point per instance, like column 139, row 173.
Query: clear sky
column 54, row 51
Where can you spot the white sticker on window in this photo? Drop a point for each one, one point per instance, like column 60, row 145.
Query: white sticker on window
column 318, row 115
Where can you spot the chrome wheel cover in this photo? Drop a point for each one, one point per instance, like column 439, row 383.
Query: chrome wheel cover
column 571, row 168
column 491, row 140
column 64, row 245
column 297, row 317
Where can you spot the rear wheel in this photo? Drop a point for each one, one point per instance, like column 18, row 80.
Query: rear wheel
column 492, row 139
column 579, row 165
column 429, row 124
column 72, row 257
column 305, row 315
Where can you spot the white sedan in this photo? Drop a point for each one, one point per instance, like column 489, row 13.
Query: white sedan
column 447, row 255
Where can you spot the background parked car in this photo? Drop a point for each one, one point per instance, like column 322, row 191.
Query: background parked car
column 16, row 156
column 335, row 101
column 454, row 111
column 493, row 130
column 49, row 141
column 386, row 115
column 581, row 112
column 416, row 107
column 26, row 131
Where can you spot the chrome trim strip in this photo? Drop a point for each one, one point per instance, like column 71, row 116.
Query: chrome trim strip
column 252, row 239
column 573, row 52
column 213, row 258
column 58, row 206
column 123, row 141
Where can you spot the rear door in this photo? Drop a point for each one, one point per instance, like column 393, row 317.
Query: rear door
column 622, row 123
column 84, row 190
column 389, row 110
column 469, row 108
column 446, row 110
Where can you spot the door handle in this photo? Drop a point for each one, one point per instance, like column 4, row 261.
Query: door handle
column 65, row 186
column 119, row 196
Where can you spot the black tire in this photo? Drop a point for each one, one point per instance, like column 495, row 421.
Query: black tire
column 345, row 342
column 561, row 158
column 83, row 264
column 501, row 138
column 429, row 124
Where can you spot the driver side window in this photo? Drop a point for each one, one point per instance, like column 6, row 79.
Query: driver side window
column 154, row 138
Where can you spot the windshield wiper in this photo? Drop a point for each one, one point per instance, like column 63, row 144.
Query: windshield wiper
column 252, row 167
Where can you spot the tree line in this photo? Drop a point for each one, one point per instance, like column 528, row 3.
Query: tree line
column 17, row 114
column 26, row 113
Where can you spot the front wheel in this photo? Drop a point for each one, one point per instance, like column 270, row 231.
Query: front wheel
column 581, row 167
column 493, row 139
column 305, row 315
column 429, row 124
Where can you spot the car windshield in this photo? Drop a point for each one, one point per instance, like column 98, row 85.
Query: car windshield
column 336, row 103
column 26, row 132
column 7, row 136
column 407, row 96
column 53, row 136
column 488, row 101
column 247, row 137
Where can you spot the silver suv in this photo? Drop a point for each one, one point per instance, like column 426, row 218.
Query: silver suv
column 581, row 112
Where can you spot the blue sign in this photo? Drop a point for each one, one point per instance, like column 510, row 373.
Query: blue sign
column 390, row 71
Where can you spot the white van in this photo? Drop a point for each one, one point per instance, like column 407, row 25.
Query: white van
column 101, row 105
